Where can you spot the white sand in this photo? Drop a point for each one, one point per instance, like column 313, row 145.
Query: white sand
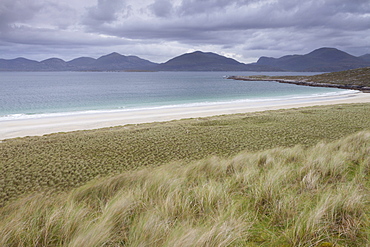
column 84, row 121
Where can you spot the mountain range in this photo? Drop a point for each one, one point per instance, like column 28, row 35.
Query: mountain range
column 323, row 60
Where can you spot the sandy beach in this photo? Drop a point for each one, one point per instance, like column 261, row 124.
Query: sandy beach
column 42, row 125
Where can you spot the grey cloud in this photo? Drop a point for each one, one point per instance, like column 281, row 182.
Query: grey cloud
column 13, row 11
column 161, row 8
column 59, row 15
column 57, row 38
column 322, row 13
column 194, row 19
column 16, row 15
column 277, row 26
column 192, row 7
column 106, row 11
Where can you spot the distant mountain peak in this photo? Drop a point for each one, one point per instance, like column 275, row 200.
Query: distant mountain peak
column 325, row 59
column 113, row 54
column 203, row 61
column 201, row 53
column 22, row 59
column 327, row 51
column 118, row 62
column 53, row 59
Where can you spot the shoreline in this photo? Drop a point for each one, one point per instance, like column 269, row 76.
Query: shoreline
column 88, row 121
column 304, row 83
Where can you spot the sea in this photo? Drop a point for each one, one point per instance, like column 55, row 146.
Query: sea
column 39, row 94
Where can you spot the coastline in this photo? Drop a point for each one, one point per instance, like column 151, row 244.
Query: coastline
column 304, row 83
column 86, row 121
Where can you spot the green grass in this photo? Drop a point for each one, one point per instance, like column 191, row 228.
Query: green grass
column 63, row 161
column 297, row 196
column 359, row 77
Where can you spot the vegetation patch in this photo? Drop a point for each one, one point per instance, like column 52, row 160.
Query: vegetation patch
column 358, row 79
column 297, row 196
column 59, row 162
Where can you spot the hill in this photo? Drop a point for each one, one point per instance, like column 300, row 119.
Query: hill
column 20, row 64
column 365, row 57
column 357, row 79
column 118, row 62
column 56, row 64
column 323, row 59
column 208, row 61
column 110, row 62
column 82, row 63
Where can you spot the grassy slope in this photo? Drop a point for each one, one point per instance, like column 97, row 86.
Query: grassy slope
column 60, row 162
column 317, row 196
column 359, row 77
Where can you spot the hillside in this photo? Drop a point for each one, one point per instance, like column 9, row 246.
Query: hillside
column 207, row 61
column 56, row 64
column 280, row 197
column 118, row 62
column 365, row 57
column 320, row 60
column 20, row 64
column 82, row 62
column 110, row 62
column 358, row 79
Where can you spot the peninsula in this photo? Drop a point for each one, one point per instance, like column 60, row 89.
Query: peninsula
column 356, row 79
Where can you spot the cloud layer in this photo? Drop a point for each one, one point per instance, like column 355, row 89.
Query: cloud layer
column 161, row 29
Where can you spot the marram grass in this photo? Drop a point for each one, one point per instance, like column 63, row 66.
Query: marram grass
column 63, row 161
column 298, row 196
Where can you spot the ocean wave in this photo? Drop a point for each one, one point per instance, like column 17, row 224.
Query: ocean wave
column 320, row 96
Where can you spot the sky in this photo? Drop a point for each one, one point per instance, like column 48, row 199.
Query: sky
column 159, row 30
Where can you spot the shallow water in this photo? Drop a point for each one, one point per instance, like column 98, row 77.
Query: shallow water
column 32, row 94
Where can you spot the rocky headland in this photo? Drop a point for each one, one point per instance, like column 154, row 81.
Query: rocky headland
column 356, row 79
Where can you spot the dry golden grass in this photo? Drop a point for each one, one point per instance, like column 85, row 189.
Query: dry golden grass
column 60, row 162
column 298, row 196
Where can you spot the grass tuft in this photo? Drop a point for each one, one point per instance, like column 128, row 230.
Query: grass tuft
column 60, row 162
column 298, row 196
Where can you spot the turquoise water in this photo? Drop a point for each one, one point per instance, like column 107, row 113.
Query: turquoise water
column 29, row 94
